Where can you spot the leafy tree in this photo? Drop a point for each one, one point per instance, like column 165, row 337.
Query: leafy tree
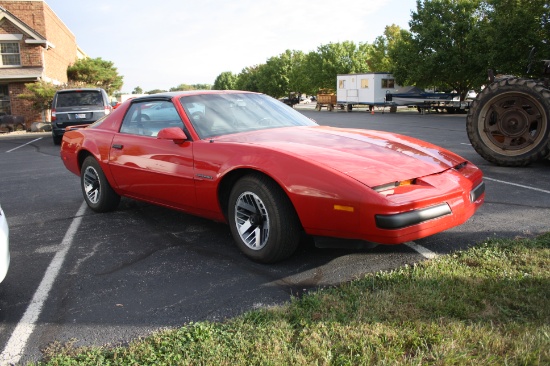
column 247, row 79
column 278, row 76
column 95, row 72
column 137, row 90
column 511, row 28
column 273, row 77
column 155, row 91
column 452, row 43
column 40, row 93
column 332, row 59
column 404, row 60
column 378, row 58
column 442, row 49
column 202, row 86
column 183, row 87
column 225, row 81
column 298, row 78
column 294, row 71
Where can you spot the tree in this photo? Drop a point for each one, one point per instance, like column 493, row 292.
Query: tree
column 41, row 95
column 155, row 91
column 202, row 86
column 137, row 90
column 273, row 76
column 225, row 81
column 182, row 87
column 511, row 28
column 95, row 72
column 298, row 78
column 247, row 79
column 452, row 43
column 332, row 59
column 378, row 58
column 404, row 60
column 442, row 49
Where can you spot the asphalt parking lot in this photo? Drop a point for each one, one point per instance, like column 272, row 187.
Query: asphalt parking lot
column 127, row 273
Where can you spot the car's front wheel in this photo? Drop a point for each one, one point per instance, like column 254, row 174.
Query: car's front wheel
column 263, row 221
column 97, row 191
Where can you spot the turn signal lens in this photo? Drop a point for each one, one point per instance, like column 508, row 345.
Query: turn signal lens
column 388, row 186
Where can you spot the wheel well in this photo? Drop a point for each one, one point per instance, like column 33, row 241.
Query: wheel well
column 82, row 155
column 229, row 180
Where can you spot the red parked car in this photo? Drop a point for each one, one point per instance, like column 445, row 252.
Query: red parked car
column 269, row 172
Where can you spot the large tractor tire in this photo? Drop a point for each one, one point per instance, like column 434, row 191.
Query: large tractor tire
column 508, row 122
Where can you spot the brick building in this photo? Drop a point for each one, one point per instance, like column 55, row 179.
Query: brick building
column 34, row 45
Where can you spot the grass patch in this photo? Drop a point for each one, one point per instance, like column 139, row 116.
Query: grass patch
column 489, row 305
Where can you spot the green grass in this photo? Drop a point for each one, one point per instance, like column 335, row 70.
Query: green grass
column 489, row 305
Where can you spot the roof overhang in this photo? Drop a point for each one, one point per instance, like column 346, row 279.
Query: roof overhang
column 43, row 43
column 21, row 74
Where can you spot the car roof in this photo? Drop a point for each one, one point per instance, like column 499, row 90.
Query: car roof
column 170, row 95
column 79, row 89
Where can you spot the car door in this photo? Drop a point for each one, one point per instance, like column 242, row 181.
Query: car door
column 144, row 167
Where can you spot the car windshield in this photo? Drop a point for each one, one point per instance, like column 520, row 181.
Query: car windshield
column 223, row 114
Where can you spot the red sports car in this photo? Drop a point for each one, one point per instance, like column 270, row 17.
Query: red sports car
column 269, row 172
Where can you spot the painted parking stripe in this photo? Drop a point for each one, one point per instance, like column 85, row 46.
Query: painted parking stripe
column 18, row 147
column 517, row 185
column 16, row 344
column 425, row 252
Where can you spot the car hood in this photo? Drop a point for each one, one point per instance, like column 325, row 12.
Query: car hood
column 371, row 157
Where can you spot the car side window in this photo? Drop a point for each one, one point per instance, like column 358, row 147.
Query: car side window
column 147, row 118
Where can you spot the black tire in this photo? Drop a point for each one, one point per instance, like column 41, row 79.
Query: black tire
column 98, row 193
column 507, row 123
column 57, row 139
column 349, row 108
column 263, row 221
column 330, row 107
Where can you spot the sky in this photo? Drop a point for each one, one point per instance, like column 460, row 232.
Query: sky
column 159, row 44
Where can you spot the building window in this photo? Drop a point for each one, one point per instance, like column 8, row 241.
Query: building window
column 10, row 54
column 388, row 83
column 364, row 83
column 5, row 106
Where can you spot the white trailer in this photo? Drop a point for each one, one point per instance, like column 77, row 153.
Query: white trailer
column 364, row 89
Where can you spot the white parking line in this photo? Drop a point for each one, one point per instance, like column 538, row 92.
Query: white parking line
column 16, row 344
column 18, row 147
column 425, row 252
column 517, row 185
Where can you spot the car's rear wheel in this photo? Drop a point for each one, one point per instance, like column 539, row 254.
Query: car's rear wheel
column 57, row 139
column 263, row 221
column 97, row 191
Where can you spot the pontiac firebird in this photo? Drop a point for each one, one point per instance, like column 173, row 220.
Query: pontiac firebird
column 269, row 172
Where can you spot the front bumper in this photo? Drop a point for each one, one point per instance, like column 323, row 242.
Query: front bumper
column 432, row 204
column 419, row 216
